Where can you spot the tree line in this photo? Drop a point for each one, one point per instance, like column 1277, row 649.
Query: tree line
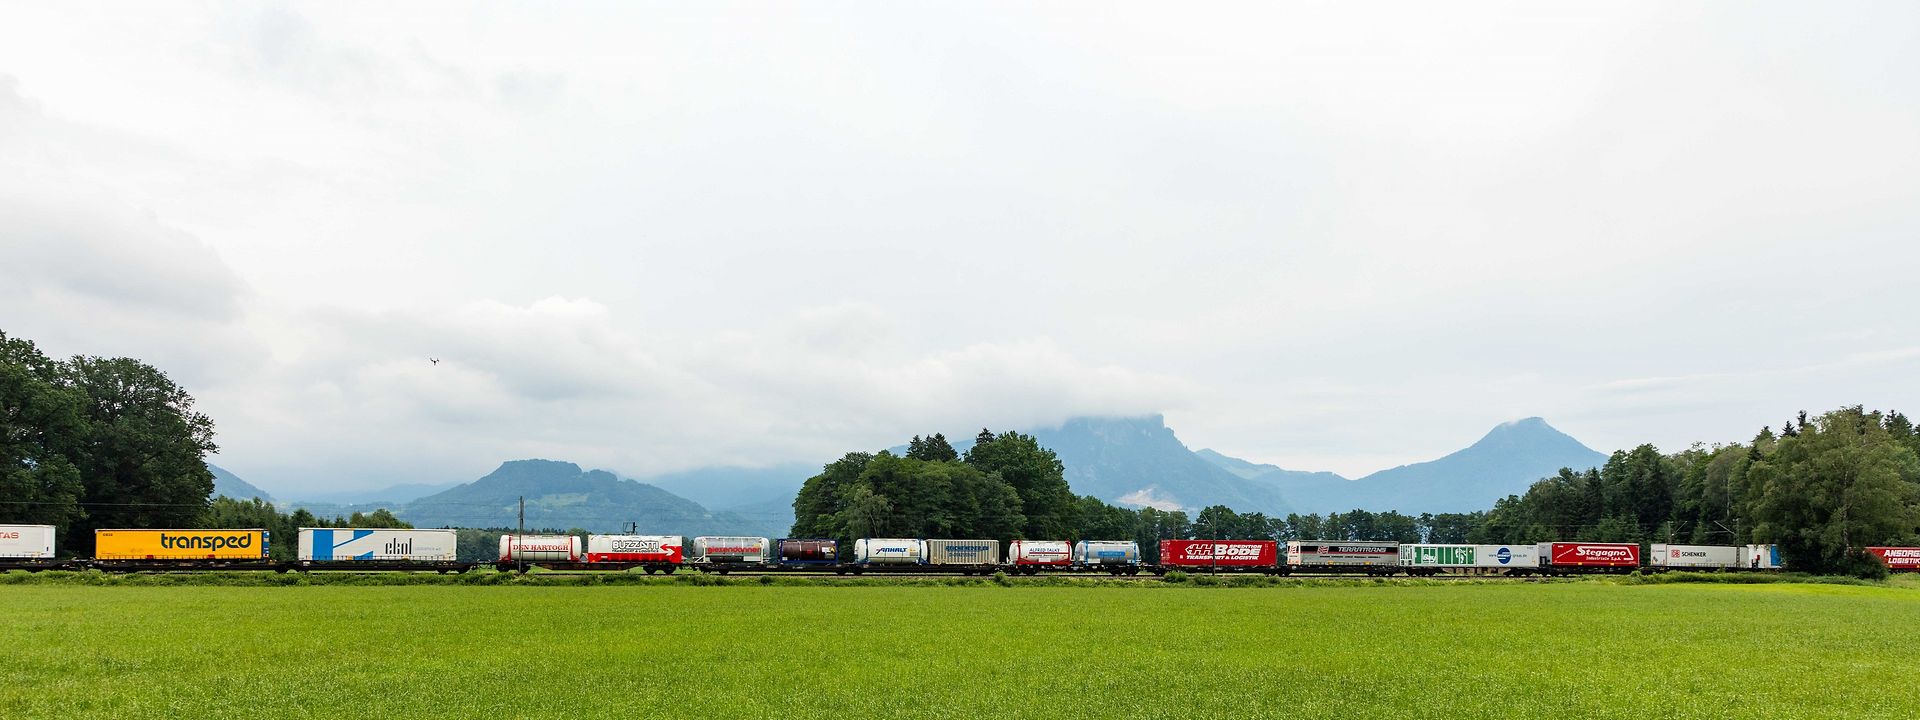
column 1821, row 489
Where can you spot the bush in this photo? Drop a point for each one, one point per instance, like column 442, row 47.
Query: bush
column 1206, row 580
column 1175, row 576
column 1863, row 565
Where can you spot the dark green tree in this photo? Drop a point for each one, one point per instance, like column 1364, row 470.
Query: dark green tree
column 144, row 463
column 41, row 431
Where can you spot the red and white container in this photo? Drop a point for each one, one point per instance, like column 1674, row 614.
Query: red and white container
column 661, row 549
column 1041, row 552
column 1590, row 555
column 1898, row 559
column 1220, row 553
column 540, row 548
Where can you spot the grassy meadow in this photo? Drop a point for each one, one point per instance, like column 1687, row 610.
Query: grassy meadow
column 1563, row 650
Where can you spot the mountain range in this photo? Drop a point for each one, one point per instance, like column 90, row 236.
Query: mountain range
column 1504, row 462
column 1132, row 461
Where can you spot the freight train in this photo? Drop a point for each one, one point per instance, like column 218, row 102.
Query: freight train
column 31, row 547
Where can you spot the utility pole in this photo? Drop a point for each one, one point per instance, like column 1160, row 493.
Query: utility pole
column 520, row 538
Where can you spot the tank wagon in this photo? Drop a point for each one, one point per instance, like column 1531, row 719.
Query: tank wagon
column 379, row 549
column 1032, row 556
column 1114, row 557
column 803, row 552
column 28, row 547
column 726, row 554
column 1248, row 556
column 1434, row 559
column 540, row 549
column 888, row 554
column 181, row 549
column 1372, row 557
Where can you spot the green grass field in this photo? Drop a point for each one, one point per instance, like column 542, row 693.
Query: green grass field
column 1564, row 651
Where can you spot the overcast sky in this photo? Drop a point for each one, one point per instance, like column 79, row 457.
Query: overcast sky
column 648, row 237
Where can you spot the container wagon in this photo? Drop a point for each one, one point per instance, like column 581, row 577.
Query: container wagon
column 379, row 549
column 1372, row 557
column 28, row 547
column 1114, row 557
column 1032, row 556
column 1898, row 559
column 966, row 556
column 1579, row 557
column 1261, row 556
column 1663, row 557
column 183, row 549
column 726, row 554
column 1433, row 559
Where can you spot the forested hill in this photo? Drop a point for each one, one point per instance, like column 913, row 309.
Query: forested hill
column 230, row 485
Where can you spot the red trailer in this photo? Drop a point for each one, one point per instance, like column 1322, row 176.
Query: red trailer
column 1220, row 555
column 1898, row 559
column 1589, row 557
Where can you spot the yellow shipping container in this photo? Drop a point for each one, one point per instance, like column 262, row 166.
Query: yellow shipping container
column 179, row 544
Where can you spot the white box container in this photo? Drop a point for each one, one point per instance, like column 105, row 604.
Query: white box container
column 889, row 551
column 1694, row 556
column 731, row 549
column 26, row 542
column 1760, row 557
column 963, row 552
column 361, row 544
column 1469, row 556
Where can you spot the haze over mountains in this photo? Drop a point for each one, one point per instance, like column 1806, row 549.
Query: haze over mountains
column 1504, row 462
column 1133, row 461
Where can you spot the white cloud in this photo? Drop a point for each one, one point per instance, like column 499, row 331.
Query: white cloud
column 658, row 235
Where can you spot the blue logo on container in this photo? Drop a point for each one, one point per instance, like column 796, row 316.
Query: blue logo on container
column 1505, row 556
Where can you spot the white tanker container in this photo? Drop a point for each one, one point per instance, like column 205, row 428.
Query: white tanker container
column 539, row 548
column 361, row 544
column 753, row 550
column 889, row 551
column 1694, row 556
column 1106, row 552
column 1040, row 552
column 26, row 542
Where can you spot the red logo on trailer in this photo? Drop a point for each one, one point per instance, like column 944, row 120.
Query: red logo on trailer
column 1898, row 558
column 1596, row 554
column 1219, row 553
